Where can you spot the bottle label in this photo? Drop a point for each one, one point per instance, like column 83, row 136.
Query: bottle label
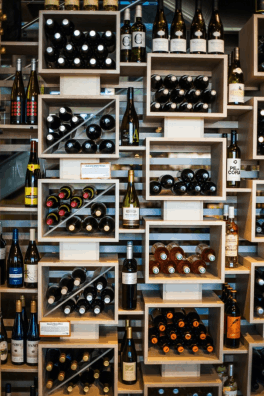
column 33, row 167
column 129, row 278
column 138, row 39
column 91, row 3
column 160, row 45
column 126, row 41
column 233, row 170
column 216, row 46
column 15, row 275
column 31, row 273
column 233, row 327
column 31, row 195
column 229, row 391
column 129, row 371
column 178, row 45
column 3, row 350
column 32, row 351
column 71, row 3
column 52, row 2
column 16, row 111
column 236, row 93
column 32, row 109
column 131, row 214
column 2, row 253
column 231, row 244
column 110, row 3
column 17, row 351
column 198, row 45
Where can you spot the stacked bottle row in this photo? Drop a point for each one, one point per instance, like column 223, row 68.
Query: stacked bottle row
column 74, row 5
column 257, row 375
column 260, row 129
column 181, row 94
column 259, row 292
column 72, row 48
column 182, row 391
column 188, row 183
column 232, row 318
column 62, row 364
column 178, row 329
column 171, row 258
column 260, row 214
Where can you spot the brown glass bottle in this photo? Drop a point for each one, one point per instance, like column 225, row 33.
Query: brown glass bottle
column 160, row 252
column 17, row 110
column 197, row 265
column 176, row 253
column 233, row 321
column 32, row 96
column 32, row 176
column 168, row 267
column 183, row 266
column 154, row 266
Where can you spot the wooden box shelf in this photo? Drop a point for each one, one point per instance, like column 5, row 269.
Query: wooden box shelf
column 93, row 106
column 213, row 66
column 59, row 234
column 184, row 232
column 210, row 301
column 167, row 156
column 51, row 269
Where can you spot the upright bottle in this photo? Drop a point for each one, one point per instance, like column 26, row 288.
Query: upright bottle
column 126, row 37
column 231, row 241
column 233, row 320
column 110, row 5
column 3, row 341
column 198, row 31
column 129, row 360
column 129, row 280
column 32, row 176
column 178, row 35
column 233, row 162
column 131, row 206
column 15, row 264
column 18, row 337
column 72, row 5
column 216, row 44
column 51, row 5
column 160, row 30
column 2, row 258
column 236, row 85
column 32, row 96
column 18, row 97
column 130, row 123
column 90, row 5
column 33, row 336
column 138, row 38
column 32, row 259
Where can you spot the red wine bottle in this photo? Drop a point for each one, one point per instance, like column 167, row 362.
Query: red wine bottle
column 129, row 280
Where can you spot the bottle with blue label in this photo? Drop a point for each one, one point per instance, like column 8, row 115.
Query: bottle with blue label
column 15, row 264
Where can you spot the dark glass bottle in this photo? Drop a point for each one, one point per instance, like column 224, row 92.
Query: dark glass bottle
column 126, row 38
column 73, row 225
column 193, row 95
column 108, row 63
column 178, row 42
column 162, row 95
column 32, row 176
column 177, row 95
column 90, row 224
column 97, row 306
column 93, row 131
column 78, row 37
column 69, row 306
column 155, row 188
column 107, row 295
column 201, row 82
column 65, row 113
column 156, row 107
column 87, row 379
column 101, row 282
column 130, row 122
column 107, row 122
column 156, row 82
column 18, row 337
column 159, row 320
column 33, row 336
column 52, row 201
column 106, row 379
column 93, row 38
column 185, row 82
column 76, row 121
column 32, row 96
column 18, row 97
column 208, row 96
column 209, row 189
column 66, row 192
column 93, row 63
column 138, row 37
column 2, row 257
column 51, row 55
column 15, row 264
column 89, row 192
column 184, row 107
column 109, row 40
column 52, row 219
column 89, row 147
column 98, row 210
column 198, row 31
column 51, row 27
column 82, row 305
column 129, row 280
column 187, row 175
column 90, row 293
column 169, row 107
column 53, row 122
column 233, row 162
column 53, row 294
column 129, row 360
column 202, row 175
column 201, row 107
column 58, row 40
column 79, row 275
column 233, row 321
column 66, row 284
column 62, row 62
column 31, row 261
column 72, row 146
column 106, row 146
column 101, row 52
column 215, row 32
column 3, row 341
column 67, row 27
column 76, row 202
column 179, row 188
column 106, row 225
column 167, row 181
column 160, row 30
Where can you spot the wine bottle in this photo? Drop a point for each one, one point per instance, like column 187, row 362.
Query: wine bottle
column 233, row 320
column 108, row 63
column 101, row 282
column 179, row 318
column 236, row 81
column 69, row 306
column 160, row 30
column 187, row 175
column 90, row 293
column 67, row 27
column 156, row 82
column 31, row 261
column 52, row 201
column 106, row 377
column 66, row 192
column 62, row 62
column 159, row 320
column 89, row 147
column 178, row 36
column 156, row 107
column 53, row 122
column 209, row 189
column 65, row 113
column 90, row 5
column 74, row 224
column 82, row 305
column 198, row 31
column 208, row 96
column 162, row 95
column 160, row 252
column 72, row 383
column 76, row 121
column 197, row 265
column 167, row 267
column 166, row 181
column 77, row 38
column 184, row 107
column 86, row 52
column 3, row 341
column 93, row 38
column 64, row 211
column 32, row 96
column 215, row 32
column 176, row 253
column 193, row 188
column 72, row 5
column 126, row 37
column 202, row 175
column 201, row 107
column 76, row 202
column 32, row 176
column 205, row 252
column 201, row 82
column 130, row 122
column 155, row 188
column 53, row 294
column 106, row 225
column 185, row 82
column 130, row 205
column 52, row 376
column 98, row 210
column 93, row 131
column 107, row 122
column 64, row 367
column 72, row 146
column 177, row 95
column 179, row 188
column 33, row 336
column 168, row 313
column 138, row 37
column 90, row 224
column 231, row 241
column 58, row 40
column 154, row 266
column 107, row 295
column 129, row 280
column 127, row 325
column 97, row 306
column 193, row 95
column 110, row 5
column 79, row 275
column 207, row 343
column 106, row 146
column 129, row 360
column 109, row 40
column 169, row 107
column 51, row 5
column 230, row 385
column 182, row 266
column 52, row 219
column 66, row 284
column 87, row 379
column 178, row 345
column 15, row 264
column 51, row 55
column 2, row 257
column 18, row 97
column 164, row 342
column 18, row 337
column 233, row 175
column 51, row 27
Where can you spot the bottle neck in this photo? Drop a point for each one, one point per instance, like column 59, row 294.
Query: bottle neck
column 19, row 65
column 160, row 6
column 130, row 97
column 233, row 139
column 178, row 5
column 198, row 6
column 215, row 5
column 33, row 152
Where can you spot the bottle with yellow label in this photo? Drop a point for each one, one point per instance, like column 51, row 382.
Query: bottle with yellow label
column 51, row 5
column 110, row 5
column 32, row 176
column 72, row 5
column 90, row 5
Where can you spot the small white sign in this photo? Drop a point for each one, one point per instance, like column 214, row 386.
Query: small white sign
column 95, row 171
column 55, row 329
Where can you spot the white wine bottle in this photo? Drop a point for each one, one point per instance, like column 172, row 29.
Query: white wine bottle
column 129, row 360
column 236, row 85
column 216, row 44
column 233, row 162
column 160, row 30
column 131, row 206
column 130, row 123
column 138, row 37
column 198, row 31
column 178, row 39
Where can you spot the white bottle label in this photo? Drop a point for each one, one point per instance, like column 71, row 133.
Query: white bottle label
column 131, row 214
column 178, row 45
column 138, row 39
column 233, row 170
column 32, row 351
column 198, row 45
column 216, row 46
column 236, row 93
column 17, row 351
column 231, row 244
column 126, row 41
column 3, row 350
column 129, row 371
column 160, row 44
column 2, row 253
column 31, row 273
column 129, row 278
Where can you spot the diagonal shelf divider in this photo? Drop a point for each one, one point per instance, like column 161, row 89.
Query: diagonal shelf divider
column 79, row 372
column 79, row 209
column 78, row 290
column 80, row 125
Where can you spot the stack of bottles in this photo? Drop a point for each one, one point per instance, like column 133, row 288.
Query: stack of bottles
column 179, row 329
column 257, row 379
column 74, row 5
column 94, row 297
column 63, row 364
column 232, row 318
column 260, row 213
column 70, row 48
column 260, row 143
column 259, row 292
column 181, row 94
column 63, row 203
column 170, row 259
column 187, row 183
column 182, row 391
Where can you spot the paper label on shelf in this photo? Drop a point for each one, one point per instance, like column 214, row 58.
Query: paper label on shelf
column 233, row 327
column 95, row 171
column 138, row 39
column 54, row 329
column 131, row 214
column 2, row 253
column 160, row 44
column 198, row 45
column 216, row 46
column 32, row 352
column 233, row 169
column 31, row 273
column 17, row 351
column 126, row 41
column 228, row 391
column 231, row 244
column 178, row 45
column 15, row 275
column 129, row 371
column 129, row 278
column 236, row 93
column 3, row 350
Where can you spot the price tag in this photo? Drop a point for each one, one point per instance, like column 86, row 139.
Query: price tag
column 95, row 171
column 55, row 329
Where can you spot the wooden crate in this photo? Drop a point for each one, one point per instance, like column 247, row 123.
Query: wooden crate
column 210, row 301
column 248, row 131
column 79, row 104
column 248, row 43
column 166, row 231
column 107, row 340
column 177, row 154
column 48, row 186
column 51, row 269
column 213, row 66
column 246, row 204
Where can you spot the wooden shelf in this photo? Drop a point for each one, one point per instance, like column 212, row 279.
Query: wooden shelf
column 138, row 311
column 9, row 367
column 133, row 69
column 238, row 190
column 241, row 350
column 21, row 128
column 238, row 110
column 5, row 289
column 17, row 208
column 132, row 148
column 134, row 231
column 237, row 270
column 137, row 388
column 21, row 47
